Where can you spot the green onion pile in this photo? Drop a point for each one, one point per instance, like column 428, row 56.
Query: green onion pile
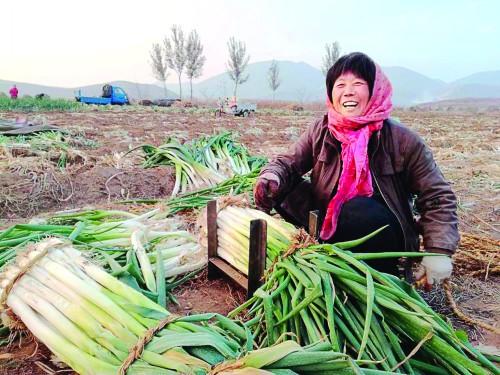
column 90, row 320
column 324, row 292
column 98, row 325
column 52, row 145
column 321, row 309
column 221, row 153
column 203, row 162
column 233, row 231
column 235, row 185
column 290, row 358
column 131, row 246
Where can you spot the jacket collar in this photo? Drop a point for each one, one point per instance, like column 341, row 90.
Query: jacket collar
column 380, row 154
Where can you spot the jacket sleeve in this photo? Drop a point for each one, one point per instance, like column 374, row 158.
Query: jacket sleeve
column 297, row 161
column 435, row 201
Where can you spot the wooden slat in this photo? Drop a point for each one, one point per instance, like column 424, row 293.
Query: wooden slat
column 212, row 228
column 314, row 223
column 213, row 272
column 220, row 265
column 257, row 255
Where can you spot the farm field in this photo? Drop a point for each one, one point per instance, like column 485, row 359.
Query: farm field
column 97, row 172
column 95, row 165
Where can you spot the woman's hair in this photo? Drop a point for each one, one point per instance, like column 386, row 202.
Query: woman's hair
column 358, row 64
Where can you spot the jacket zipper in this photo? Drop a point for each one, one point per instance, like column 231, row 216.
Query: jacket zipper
column 382, row 194
column 390, row 209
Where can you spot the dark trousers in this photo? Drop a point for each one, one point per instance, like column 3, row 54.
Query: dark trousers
column 361, row 216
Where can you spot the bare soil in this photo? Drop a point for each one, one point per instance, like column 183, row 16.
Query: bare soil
column 465, row 145
column 202, row 295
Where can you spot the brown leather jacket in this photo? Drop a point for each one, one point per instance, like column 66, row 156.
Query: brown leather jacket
column 403, row 170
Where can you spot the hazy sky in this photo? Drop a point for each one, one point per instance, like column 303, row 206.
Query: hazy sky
column 70, row 43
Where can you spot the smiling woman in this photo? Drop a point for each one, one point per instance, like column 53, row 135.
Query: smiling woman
column 365, row 170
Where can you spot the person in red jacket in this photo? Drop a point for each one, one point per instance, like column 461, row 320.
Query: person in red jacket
column 13, row 92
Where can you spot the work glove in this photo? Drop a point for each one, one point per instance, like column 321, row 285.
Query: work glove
column 266, row 190
column 434, row 269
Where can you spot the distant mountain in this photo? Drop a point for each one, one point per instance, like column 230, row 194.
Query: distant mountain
column 491, row 78
column 410, row 87
column 478, row 85
column 34, row 89
column 471, row 90
column 134, row 90
column 464, row 104
column 300, row 82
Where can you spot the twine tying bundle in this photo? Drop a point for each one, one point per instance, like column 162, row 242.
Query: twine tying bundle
column 300, row 240
column 136, row 350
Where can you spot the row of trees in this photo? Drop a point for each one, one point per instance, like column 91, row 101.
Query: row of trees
column 180, row 55
column 186, row 56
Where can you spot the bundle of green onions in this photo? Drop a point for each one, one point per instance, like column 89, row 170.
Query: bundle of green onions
column 236, row 185
column 51, row 144
column 324, row 292
column 203, row 162
column 290, row 358
column 128, row 244
column 189, row 173
column 233, row 232
column 93, row 228
column 98, row 325
column 94, row 323
column 197, row 199
column 221, row 153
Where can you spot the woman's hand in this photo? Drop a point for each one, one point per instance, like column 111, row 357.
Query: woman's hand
column 435, row 269
column 266, row 190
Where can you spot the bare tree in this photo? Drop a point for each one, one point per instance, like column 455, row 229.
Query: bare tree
column 273, row 76
column 331, row 56
column 301, row 94
column 237, row 62
column 194, row 58
column 159, row 65
column 175, row 53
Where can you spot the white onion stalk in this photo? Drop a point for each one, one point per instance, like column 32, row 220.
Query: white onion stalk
column 67, row 352
column 63, row 324
column 233, row 260
column 189, row 258
column 233, row 230
column 86, row 291
column 90, row 320
column 140, row 252
column 175, row 251
column 87, row 309
column 83, row 316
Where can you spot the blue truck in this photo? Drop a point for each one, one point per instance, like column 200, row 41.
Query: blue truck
column 110, row 95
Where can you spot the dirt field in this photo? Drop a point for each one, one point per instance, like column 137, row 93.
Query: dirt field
column 465, row 145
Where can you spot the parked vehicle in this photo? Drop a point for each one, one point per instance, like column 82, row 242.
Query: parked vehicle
column 243, row 109
column 165, row 102
column 110, row 95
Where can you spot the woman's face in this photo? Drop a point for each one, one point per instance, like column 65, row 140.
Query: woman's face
column 350, row 95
